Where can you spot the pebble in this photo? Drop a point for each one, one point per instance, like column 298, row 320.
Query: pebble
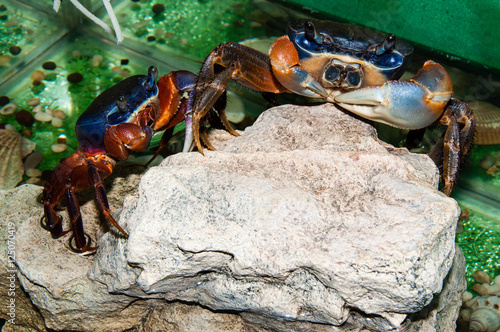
column 33, row 160
column 14, row 50
column 466, row 296
column 33, row 173
column 96, row 60
column 124, row 62
column 124, row 73
column 8, row 109
column 4, row 59
column 33, row 101
column 49, row 65
column 25, row 118
column 37, row 75
column 486, row 161
column 37, row 108
column 27, row 133
column 75, row 77
column 48, row 110
column 4, row 100
column 43, row 117
column 58, row 148
column 59, row 114
column 481, row 277
column 158, row 8
column 56, row 122
column 481, row 289
column 61, row 139
column 33, row 180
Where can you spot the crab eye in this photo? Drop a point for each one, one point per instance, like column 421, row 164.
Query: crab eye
column 332, row 73
column 353, row 78
column 311, row 34
column 152, row 76
column 391, row 60
column 121, row 102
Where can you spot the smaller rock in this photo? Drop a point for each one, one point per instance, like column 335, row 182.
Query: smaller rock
column 37, row 108
column 75, row 77
column 15, row 50
column 43, row 117
column 33, row 160
column 486, row 161
column 56, row 122
column 37, row 75
column 33, row 180
column 96, row 60
column 58, row 148
column 49, row 65
column 33, row 172
column 33, row 101
column 59, row 114
column 25, row 118
column 481, row 277
column 4, row 100
column 158, row 8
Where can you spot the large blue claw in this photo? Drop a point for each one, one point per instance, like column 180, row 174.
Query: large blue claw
column 410, row 105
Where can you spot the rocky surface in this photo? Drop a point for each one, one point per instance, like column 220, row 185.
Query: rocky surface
column 306, row 222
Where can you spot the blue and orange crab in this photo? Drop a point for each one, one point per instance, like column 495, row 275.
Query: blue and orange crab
column 353, row 67
column 121, row 119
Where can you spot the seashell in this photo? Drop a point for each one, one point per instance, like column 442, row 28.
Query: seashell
column 8, row 109
column 485, row 315
column 487, row 122
column 11, row 160
column 27, row 147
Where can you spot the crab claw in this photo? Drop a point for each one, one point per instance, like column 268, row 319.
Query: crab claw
column 410, row 105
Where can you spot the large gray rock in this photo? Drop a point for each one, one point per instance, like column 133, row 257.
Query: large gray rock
column 306, row 217
column 306, row 222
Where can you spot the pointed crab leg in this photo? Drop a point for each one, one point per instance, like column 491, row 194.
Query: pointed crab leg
column 411, row 105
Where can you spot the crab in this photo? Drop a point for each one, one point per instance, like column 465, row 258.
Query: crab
column 121, row 119
column 353, row 67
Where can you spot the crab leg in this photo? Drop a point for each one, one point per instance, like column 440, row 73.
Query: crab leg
column 252, row 69
column 100, row 193
column 75, row 216
column 455, row 144
column 410, row 105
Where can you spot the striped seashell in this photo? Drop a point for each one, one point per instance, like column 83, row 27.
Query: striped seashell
column 485, row 314
column 11, row 159
column 487, row 122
